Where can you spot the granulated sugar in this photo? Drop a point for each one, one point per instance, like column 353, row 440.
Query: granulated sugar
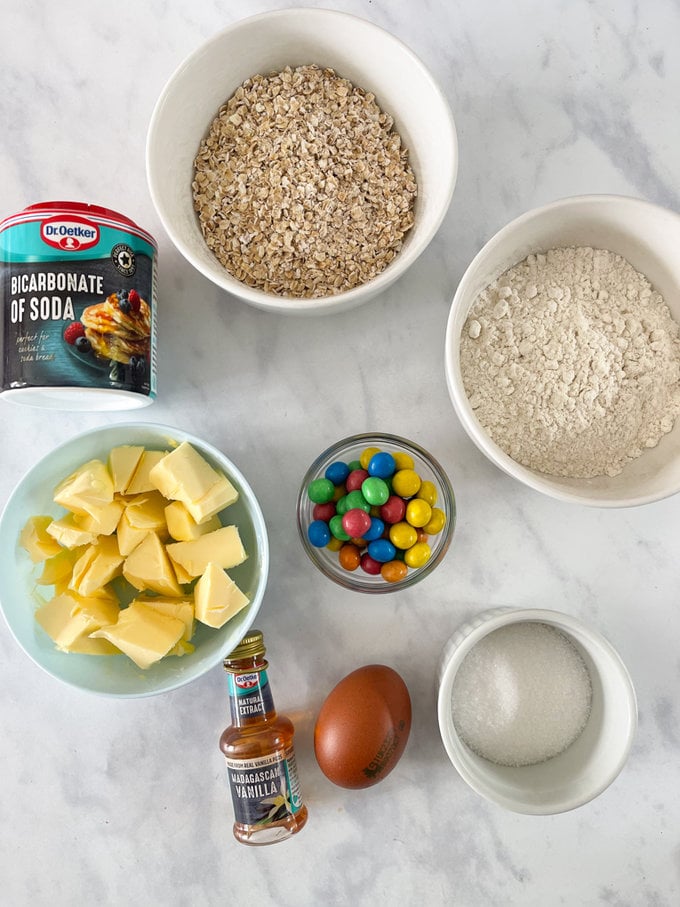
column 522, row 695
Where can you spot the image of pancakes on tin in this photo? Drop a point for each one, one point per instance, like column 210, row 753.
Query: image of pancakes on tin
column 119, row 327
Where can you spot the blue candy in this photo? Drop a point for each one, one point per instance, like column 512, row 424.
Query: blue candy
column 376, row 529
column 318, row 533
column 337, row 472
column 382, row 465
column 382, row 550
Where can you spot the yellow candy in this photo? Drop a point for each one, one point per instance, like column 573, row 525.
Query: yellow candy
column 418, row 555
column 437, row 522
column 406, row 483
column 403, row 460
column 418, row 512
column 335, row 544
column 402, row 535
column 428, row 492
column 366, row 456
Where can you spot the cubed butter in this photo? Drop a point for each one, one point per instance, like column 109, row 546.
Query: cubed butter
column 141, row 481
column 68, row 618
column 221, row 495
column 183, row 527
column 222, row 547
column 128, row 537
column 147, row 512
column 86, row 490
column 143, row 634
column 59, row 567
column 217, row 598
column 68, row 533
column 183, row 578
column 181, row 608
column 101, row 520
column 148, row 567
column 123, row 461
column 35, row 538
column 182, row 648
column 184, row 475
column 97, row 566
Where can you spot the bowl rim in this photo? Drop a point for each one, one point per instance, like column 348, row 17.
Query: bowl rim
column 461, row 405
column 291, row 304
column 459, row 645
column 351, row 580
column 257, row 518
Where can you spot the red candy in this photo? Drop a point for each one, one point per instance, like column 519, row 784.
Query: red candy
column 393, row 510
column 323, row 511
column 370, row 565
column 356, row 479
column 355, row 522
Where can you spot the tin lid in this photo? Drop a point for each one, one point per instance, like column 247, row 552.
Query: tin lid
column 77, row 399
column 250, row 646
column 104, row 216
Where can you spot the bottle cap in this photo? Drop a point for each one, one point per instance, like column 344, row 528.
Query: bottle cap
column 249, row 647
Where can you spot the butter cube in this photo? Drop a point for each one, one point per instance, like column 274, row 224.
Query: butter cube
column 37, row 541
column 86, row 490
column 182, row 648
column 222, row 547
column 181, row 608
column 183, row 527
column 123, row 461
column 141, row 480
column 148, row 567
column 99, row 564
column 68, row 533
column 143, row 634
column 221, row 495
column 184, row 475
column 183, row 578
column 101, row 520
column 67, row 618
column 59, row 567
column 128, row 537
column 217, row 598
column 147, row 511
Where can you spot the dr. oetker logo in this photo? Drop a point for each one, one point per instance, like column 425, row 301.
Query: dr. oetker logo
column 69, row 233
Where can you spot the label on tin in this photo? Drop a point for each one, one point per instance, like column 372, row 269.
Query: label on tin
column 265, row 789
column 78, row 291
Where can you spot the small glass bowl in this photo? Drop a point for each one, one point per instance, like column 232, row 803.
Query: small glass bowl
column 425, row 465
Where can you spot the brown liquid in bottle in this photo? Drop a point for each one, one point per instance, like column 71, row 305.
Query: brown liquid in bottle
column 258, row 748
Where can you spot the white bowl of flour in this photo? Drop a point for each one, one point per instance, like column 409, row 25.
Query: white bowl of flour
column 563, row 350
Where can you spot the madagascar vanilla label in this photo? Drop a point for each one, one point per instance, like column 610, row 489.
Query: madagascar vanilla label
column 266, row 789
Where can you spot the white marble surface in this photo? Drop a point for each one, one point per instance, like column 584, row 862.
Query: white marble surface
column 108, row 802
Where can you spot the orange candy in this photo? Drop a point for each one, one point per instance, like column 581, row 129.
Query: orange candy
column 349, row 557
column 393, row 571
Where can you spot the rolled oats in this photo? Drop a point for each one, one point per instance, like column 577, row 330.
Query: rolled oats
column 302, row 186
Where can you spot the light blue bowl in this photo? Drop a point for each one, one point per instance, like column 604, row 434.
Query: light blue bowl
column 117, row 675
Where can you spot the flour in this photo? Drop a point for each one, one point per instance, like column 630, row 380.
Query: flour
column 571, row 362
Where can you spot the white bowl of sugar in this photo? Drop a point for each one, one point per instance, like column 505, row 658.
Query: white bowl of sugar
column 537, row 712
column 563, row 350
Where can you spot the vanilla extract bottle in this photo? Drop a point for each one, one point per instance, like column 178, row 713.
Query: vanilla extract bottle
column 258, row 748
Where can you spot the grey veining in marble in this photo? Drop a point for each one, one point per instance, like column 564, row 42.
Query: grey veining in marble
column 107, row 802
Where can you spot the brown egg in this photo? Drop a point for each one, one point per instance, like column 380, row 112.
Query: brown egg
column 363, row 726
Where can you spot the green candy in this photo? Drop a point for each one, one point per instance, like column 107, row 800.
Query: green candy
column 356, row 499
column 335, row 526
column 341, row 505
column 321, row 491
column 375, row 490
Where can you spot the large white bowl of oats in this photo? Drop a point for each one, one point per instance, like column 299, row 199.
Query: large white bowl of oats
column 563, row 350
column 302, row 160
